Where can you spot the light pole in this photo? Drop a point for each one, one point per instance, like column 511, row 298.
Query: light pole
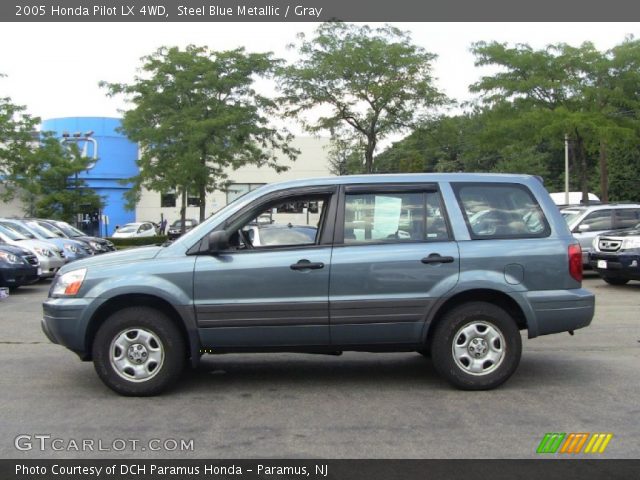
column 566, row 169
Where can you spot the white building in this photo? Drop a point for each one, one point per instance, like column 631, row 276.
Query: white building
column 311, row 162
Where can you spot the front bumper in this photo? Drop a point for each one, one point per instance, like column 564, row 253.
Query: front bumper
column 623, row 265
column 15, row 276
column 558, row 311
column 65, row 322
column 50, row 265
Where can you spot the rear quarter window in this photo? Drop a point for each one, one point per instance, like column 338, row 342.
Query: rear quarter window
column 501, row 210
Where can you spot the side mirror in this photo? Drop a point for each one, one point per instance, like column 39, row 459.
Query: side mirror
column 218, row 242
column 584, row 228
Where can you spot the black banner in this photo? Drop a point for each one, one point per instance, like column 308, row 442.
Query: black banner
column 315, row 10
column 319, row 469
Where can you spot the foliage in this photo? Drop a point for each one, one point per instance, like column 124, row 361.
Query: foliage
column 530, row 101
column 38, row 170
column 588, row 95
column 369, row 82
column 196, row 116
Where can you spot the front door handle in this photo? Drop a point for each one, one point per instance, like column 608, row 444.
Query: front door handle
column 307, row 265
column 436, row 258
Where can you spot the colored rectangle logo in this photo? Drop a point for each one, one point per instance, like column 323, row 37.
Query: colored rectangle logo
column 574, row 443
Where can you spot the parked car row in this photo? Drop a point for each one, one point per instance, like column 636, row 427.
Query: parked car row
column 150, row 229
column 609, row 235
column 31, row 249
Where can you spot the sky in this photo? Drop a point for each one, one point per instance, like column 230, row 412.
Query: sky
column 54, row 68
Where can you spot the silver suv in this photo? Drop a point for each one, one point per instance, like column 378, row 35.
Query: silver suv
column 589, row 221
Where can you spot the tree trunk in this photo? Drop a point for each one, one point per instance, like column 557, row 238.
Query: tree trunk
column 183, row 210
column 604, row 174
column 368, row 155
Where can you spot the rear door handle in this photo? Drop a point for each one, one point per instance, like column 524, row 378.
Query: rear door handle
column 307, row 265
column 436, row 258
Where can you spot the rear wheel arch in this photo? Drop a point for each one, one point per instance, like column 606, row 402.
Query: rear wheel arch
column 495, row 297
column 121, row 302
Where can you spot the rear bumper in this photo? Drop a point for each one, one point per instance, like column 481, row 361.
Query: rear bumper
column 558, row 311
column 623, row 265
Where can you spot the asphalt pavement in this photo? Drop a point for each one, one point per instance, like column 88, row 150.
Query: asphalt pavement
column 358, row 405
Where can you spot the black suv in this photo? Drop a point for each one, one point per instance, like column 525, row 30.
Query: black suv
column 17, row 266
column 175, row 230
column 616, row 255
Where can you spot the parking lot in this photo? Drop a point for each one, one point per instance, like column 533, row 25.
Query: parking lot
column 358, row 405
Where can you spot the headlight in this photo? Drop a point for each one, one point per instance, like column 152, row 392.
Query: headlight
column 71, row 248
column 69, row 283
column 594, row 244
column 631, row 242
column 43, row 252
column 95, row 245
column 10, row 258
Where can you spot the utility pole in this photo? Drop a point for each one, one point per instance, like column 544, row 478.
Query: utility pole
column 566, row 169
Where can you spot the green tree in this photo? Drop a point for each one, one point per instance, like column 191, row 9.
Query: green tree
column 578, row 91
column 46, row 179
column 196, row 116
column 371, row 83
column 16, row 140
column 38, row 170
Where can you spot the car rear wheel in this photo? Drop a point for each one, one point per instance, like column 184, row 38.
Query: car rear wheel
column 138, row 351
column 476, row 346
column 615, row 281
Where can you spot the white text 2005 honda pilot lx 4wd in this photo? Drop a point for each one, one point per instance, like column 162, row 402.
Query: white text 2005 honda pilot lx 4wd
column 450, row 265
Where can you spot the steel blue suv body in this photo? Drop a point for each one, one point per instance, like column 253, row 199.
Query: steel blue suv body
column 450, row 265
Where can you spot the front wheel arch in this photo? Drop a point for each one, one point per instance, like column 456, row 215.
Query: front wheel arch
column 121, row 302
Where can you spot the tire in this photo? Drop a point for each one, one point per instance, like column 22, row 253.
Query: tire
column 139, row 351
column 476, row 346
column 615, row 280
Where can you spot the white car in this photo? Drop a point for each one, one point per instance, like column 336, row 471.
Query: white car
column 135, row 230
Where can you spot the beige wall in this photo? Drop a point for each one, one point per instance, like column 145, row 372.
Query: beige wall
column 13, row 208
column 311, row 162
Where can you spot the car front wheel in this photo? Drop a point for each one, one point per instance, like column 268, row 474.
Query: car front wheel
column 476, row 346
column 138, row 351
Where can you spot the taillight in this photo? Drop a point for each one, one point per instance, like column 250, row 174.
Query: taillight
column 575, row 262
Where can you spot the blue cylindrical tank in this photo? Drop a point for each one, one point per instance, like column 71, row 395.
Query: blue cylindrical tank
column 116, row 161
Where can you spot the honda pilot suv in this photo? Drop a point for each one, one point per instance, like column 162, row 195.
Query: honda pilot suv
column 616, row 255
column 453, row 266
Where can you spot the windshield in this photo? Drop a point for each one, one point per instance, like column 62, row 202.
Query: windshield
column 20, row 229
column 42, row 231
column 570, row 215
column 70, row 229
column 237, row 204
column 51, row 227
column 130, row 228
column 11, row 234
column 178, row 223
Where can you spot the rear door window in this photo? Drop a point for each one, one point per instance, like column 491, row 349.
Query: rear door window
column 393, row 217
column 627, row 217
column 501, row 210
column 598, row 220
